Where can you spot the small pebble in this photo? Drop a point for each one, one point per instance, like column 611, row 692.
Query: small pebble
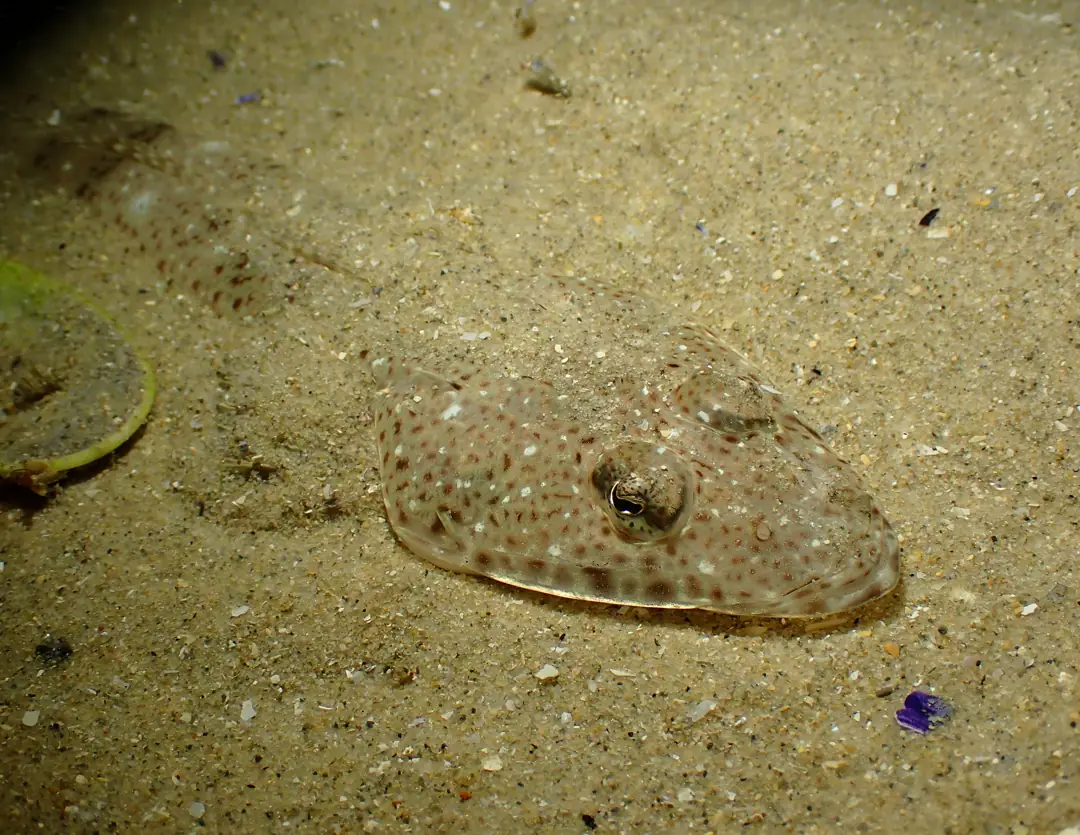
column 891, row 190
column 1030, row 609
column 928, row 218
column 247, row 711
column 548, row 671
column 493, row 763
column 30, row 718
column 240, row 610
column 701, row 710
column 196, row 809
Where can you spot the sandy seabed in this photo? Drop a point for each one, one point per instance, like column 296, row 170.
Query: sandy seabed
column 252, row 649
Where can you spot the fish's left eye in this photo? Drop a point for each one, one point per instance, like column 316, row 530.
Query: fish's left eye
column 645, row 490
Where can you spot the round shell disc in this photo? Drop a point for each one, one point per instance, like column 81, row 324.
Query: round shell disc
column 72, row 388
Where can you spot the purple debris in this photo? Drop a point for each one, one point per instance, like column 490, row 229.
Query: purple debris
column 249, row 98
column 922, row 712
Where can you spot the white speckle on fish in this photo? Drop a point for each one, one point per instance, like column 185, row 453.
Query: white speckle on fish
column 451, row 411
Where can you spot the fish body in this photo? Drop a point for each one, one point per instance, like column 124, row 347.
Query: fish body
column 179, row 201
column 693, row 484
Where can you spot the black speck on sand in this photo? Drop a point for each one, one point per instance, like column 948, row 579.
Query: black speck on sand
column 252, row 650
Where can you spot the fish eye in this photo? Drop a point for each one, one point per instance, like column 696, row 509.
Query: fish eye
column 644, row 489
column 623, row 503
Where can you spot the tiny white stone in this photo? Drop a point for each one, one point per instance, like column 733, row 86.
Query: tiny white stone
column 701, row 709
column 240, row 610
column 891, row 190
column 492, row 763
column 548, row 671
column 530, row 450
column 247, row 711
column 451, row 411
column 196, row 809
column 30, row 718
column 1030, row 609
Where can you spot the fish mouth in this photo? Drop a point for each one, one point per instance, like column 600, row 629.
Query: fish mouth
column 845, row 589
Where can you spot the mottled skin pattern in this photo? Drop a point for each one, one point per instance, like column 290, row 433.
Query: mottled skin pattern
column 156, row 185
column 693, row 486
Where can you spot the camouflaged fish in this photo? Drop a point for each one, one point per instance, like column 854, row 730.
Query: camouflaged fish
column 189, row 208
column 666, row 474
column 601, row 454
